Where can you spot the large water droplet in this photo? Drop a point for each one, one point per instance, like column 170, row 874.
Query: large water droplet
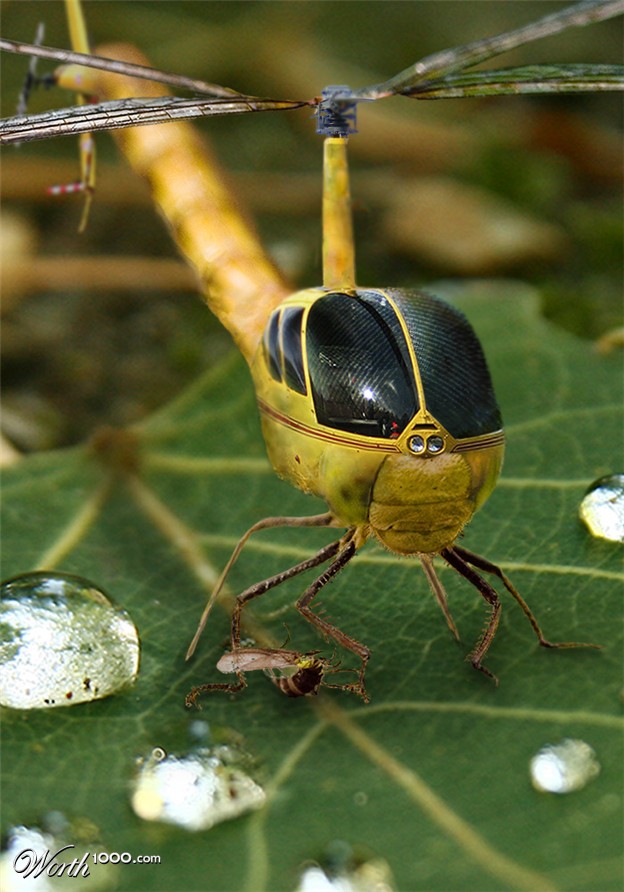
column 60, row 855
column 602, row 508
column 62, row 642
column 564, row 767
column 195, row 791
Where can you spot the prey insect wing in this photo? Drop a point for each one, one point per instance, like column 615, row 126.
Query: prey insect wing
column 301, row 674
column 250, row 659
column 295, row 674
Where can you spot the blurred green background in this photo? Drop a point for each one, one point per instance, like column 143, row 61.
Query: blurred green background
column 548, row 170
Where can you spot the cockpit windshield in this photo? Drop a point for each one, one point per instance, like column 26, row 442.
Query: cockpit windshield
column 360, row 367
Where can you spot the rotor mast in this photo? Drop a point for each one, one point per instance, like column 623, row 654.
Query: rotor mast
column 336, row 120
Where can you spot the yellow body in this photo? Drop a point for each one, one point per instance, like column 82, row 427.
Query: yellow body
column 338, row 247
column 412, row 503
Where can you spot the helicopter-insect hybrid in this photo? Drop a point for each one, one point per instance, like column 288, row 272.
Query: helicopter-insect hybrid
column 380, row 402
column 332, row 429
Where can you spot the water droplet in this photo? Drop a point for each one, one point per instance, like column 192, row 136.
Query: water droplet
column 360, row 798
column 564, row 767
column 345, row 871
column 602, row 508
column 61, row 854
column 199, row 731
column 195, row 791
column 63, row 642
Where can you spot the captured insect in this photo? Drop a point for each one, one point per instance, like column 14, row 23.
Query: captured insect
column 295, row 674
column 377, row 400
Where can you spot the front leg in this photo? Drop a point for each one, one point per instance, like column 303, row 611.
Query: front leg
column 349, row 547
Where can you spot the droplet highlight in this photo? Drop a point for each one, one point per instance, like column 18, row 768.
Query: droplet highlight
column 564, row 767
column 602, row 508
column 195, row 791
column 62, row 642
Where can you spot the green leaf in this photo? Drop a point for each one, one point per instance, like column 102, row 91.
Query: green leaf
column 432, row 776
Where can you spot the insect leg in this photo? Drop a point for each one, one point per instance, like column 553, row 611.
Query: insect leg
column 438, row 591
column 316, row 520
column 227, row 687
column 488, row 567
column 31, row 80
column 484, row 588
column 325, row 554
column 86, row 184
column 347, row 550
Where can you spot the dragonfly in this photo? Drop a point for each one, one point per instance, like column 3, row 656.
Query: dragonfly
column 355, row 431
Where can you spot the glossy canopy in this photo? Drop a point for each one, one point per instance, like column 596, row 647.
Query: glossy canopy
column 363, row 376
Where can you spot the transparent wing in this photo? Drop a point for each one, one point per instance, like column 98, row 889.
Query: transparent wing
column 129, row 113
column 69, row 57
column 526, row 79
column 446, row 62
column 249, row 659
column 436, row 77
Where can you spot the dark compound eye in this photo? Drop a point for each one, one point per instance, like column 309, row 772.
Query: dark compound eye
column 291, row 348
column 456, row 381
column 270, row 343
column 360, row 368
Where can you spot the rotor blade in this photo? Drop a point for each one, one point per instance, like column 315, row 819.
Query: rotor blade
column 525, row 79
column 448, row 61
column 69, row 57
column 129, row 113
